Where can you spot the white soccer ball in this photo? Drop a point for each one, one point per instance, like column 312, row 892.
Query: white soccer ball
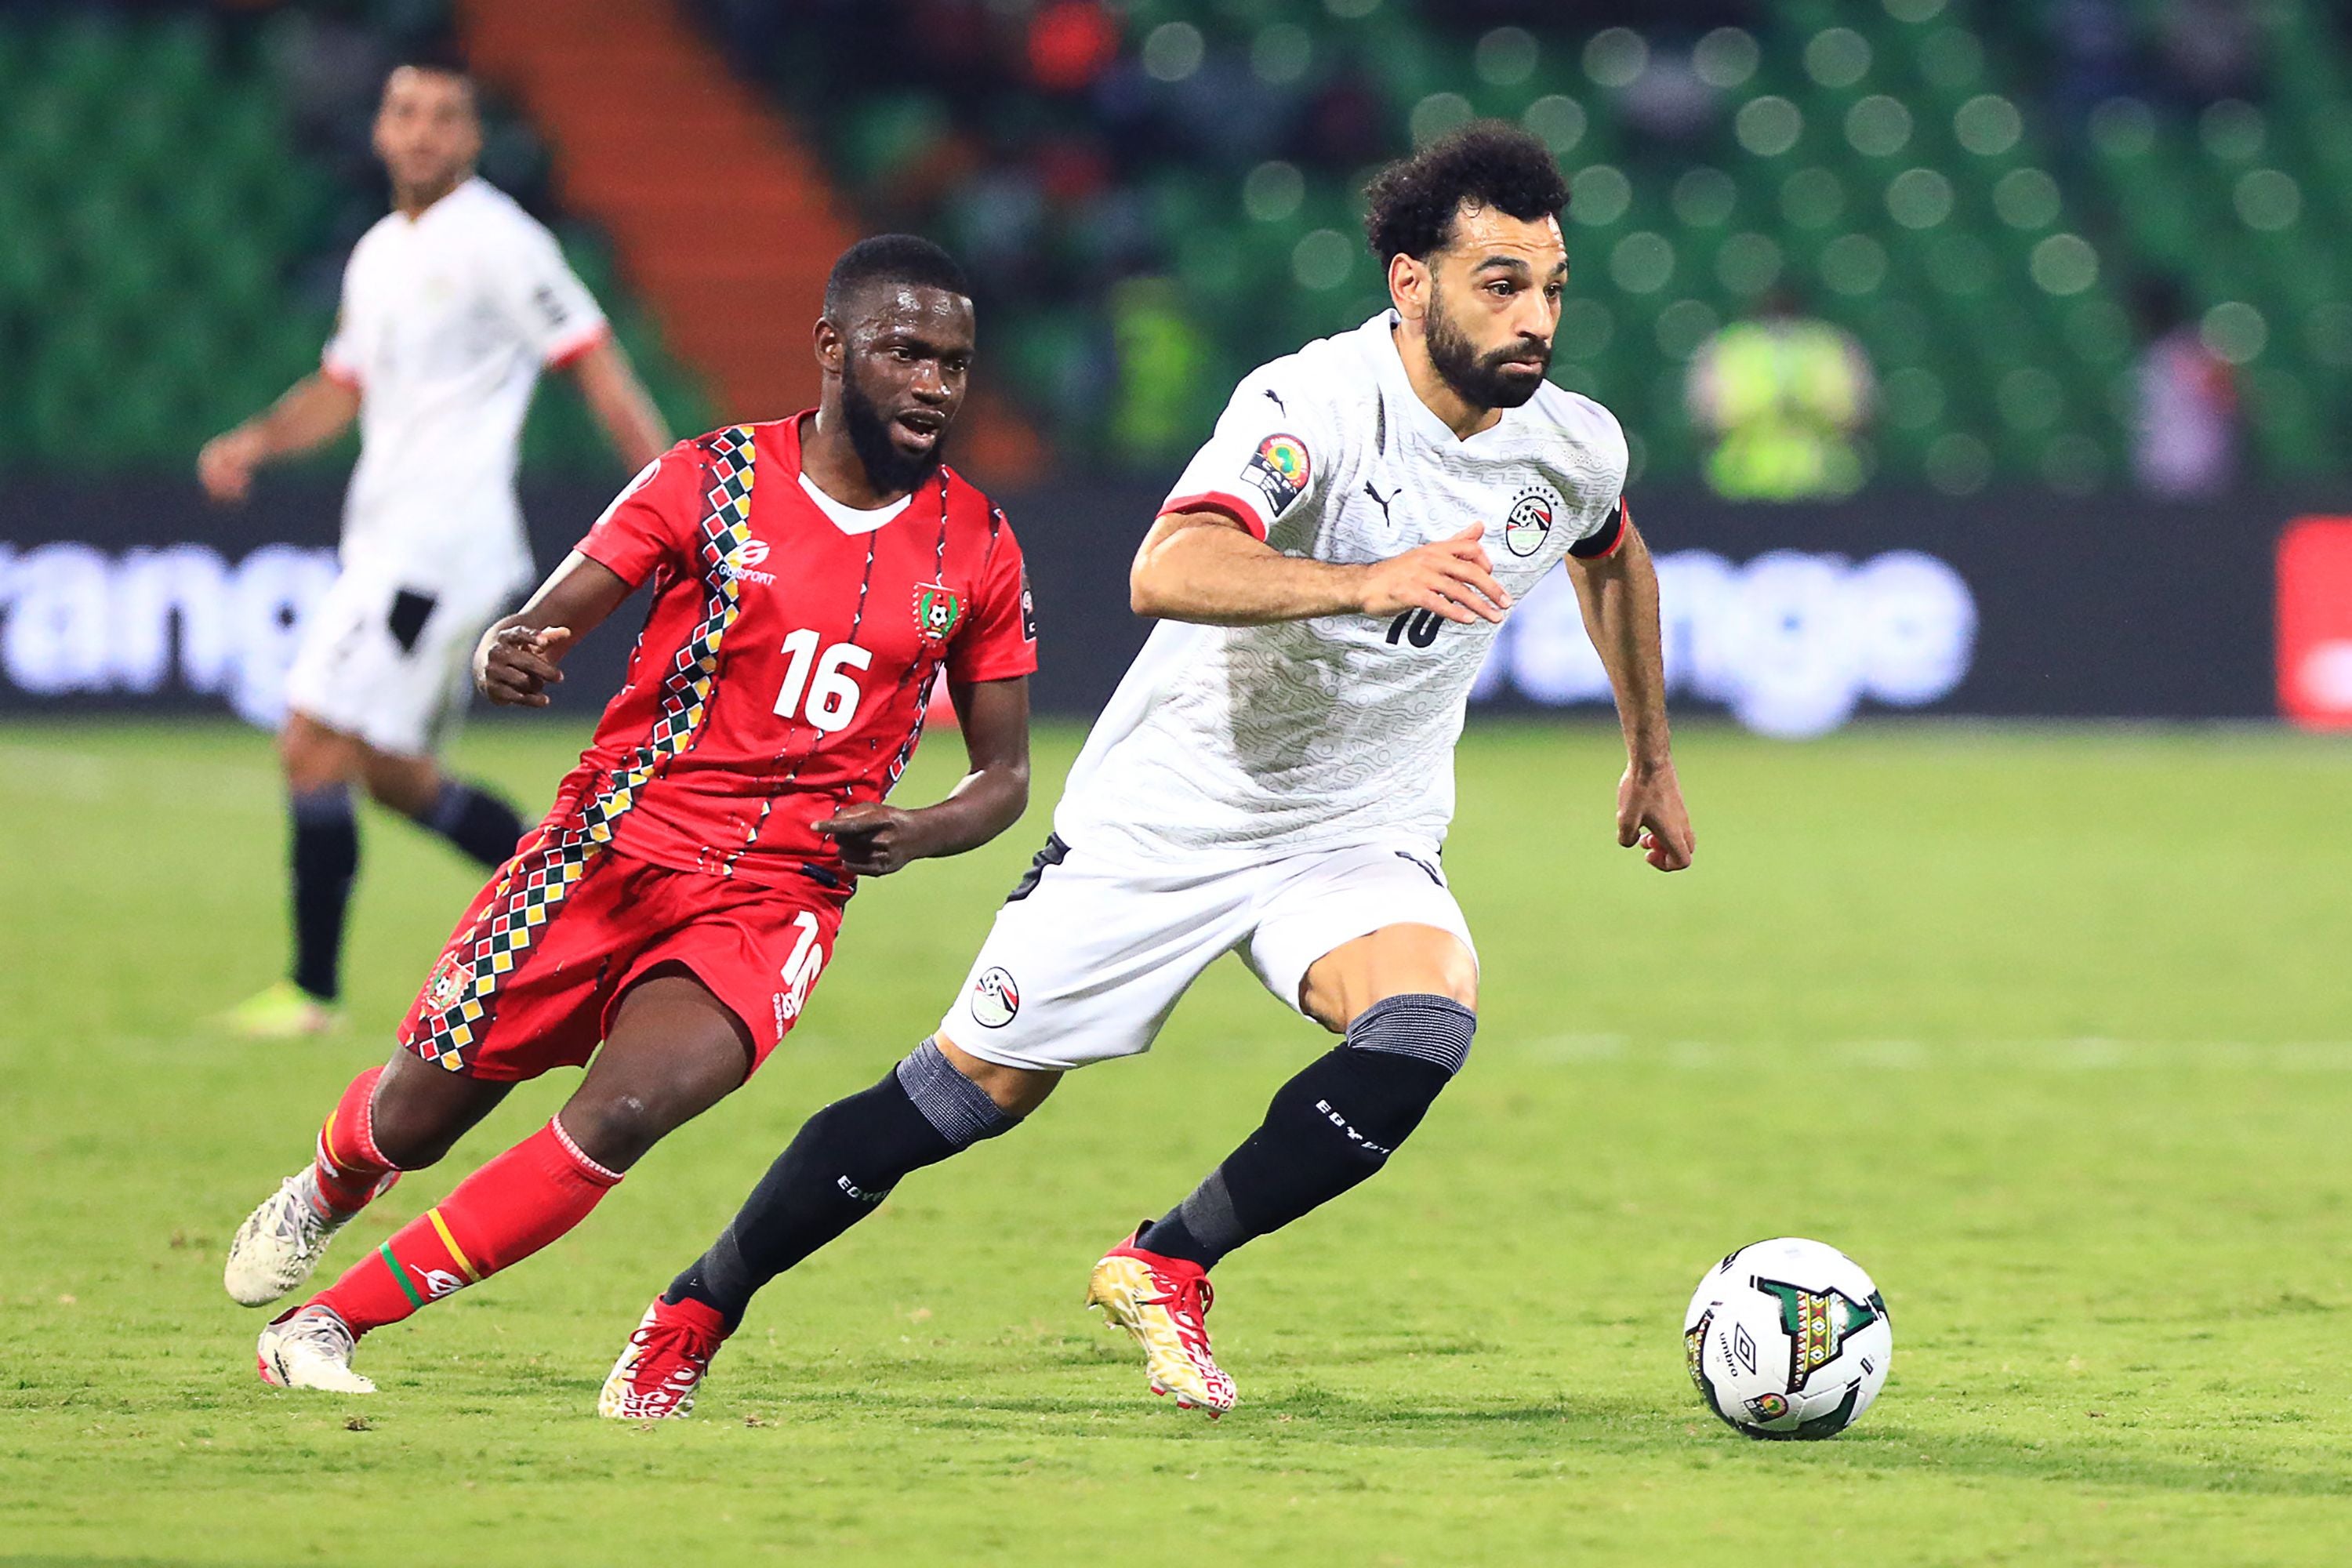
column 1787, row 1338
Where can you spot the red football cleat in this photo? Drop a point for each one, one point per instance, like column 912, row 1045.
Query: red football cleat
column 1164, row 1302
column 664, row 1363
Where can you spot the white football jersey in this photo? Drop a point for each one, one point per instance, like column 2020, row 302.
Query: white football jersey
column 447, row 320
column 1249, row 742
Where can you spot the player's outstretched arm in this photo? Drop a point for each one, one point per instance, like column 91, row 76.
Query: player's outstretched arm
column 876, row 839
column 314, row 411
column 1619, row 595
column 517, row 659
column 1203, row 566
column 620, row 401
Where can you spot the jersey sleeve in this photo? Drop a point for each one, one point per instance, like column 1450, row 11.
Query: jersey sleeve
column 655, row 520
column 1606, row 515
column 1002, row 642
column 1266, row 458
column 543, row 299
column 345, row 353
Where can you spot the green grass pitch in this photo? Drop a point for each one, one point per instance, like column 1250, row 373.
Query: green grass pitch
column 2053, row 1030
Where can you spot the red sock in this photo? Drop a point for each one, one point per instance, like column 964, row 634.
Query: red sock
column 350, row 1169
column 497, row 1217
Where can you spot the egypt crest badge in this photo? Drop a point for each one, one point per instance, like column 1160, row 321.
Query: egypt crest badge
column 938, row 611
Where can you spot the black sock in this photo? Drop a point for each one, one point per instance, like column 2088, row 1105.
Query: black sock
column 474, row 820
column 841, row 1164
column 1326, row 1129
column 325, row 857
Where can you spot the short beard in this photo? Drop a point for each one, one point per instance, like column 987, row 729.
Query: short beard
column 888, row 469
column 1477, row 382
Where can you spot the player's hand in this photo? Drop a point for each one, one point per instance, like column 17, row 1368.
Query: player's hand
column 1454, row 578
column 515, row 666
column 873, row 839
column 1651, row 815
column 224, row 466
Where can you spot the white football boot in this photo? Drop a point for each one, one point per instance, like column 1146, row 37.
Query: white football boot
column 281, row 1242
column 309, row 1347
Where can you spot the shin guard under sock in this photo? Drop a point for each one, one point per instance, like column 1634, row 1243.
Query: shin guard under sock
column 1326, row 1129
column 324, row 858
column 474, row 820
column 497, row 1217
column 844, row 1161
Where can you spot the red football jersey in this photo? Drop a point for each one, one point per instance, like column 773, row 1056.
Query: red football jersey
column 782, row 667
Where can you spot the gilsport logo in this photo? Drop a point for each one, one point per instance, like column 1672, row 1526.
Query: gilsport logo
column 995, row 999
column 740, row 561
column 1529, row 522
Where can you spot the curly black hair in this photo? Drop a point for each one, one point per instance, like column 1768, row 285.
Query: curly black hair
column 1412, row 202
column 892, row 259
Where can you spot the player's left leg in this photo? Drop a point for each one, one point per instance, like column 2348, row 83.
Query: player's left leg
column 1404, row 995
column 673, row 1050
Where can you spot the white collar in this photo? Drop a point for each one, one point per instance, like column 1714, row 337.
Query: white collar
column 1388, row 364
column 850, row 520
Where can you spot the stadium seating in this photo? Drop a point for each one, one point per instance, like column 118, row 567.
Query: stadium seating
column 171, row 239
column 1926, row 172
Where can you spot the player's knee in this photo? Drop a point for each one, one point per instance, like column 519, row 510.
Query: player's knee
column 313, row 759
column 1426, row 1027
column 1015, row 1091
column 1374, row 1091
column 616, row 1130
column 410, row 1138
column 405, row 785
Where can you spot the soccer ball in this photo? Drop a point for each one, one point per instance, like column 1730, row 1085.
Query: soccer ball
column 1787, row 1338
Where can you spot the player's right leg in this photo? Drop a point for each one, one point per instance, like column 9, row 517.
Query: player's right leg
column 1083, row 963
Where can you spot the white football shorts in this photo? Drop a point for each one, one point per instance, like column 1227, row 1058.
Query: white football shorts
column 392, row 666
column 1087, row 959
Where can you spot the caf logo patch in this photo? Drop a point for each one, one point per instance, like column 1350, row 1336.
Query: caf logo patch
column 995, row 999
column 1529, row 522
column 1280, row 469
column 937, row 611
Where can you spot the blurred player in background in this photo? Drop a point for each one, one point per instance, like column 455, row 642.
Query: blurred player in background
column 451, row 305
column 1275, row 776
column 811, row 579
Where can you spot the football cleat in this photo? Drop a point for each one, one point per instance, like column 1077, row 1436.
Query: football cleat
column 1164, row 1302
column 309, row 1347
column 283, row 1012
column 664, row 1361
column 280, row 1242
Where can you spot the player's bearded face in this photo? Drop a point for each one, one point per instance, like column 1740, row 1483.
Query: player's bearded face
column 1503, row 376
column 874, row 434
column 902, row 380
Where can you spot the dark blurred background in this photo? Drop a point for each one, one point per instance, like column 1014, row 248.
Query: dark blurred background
column 2047, row 297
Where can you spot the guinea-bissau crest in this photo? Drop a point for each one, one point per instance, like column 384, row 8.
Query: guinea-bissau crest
column 1530, row 521
column 938, row 611
column 447, row 985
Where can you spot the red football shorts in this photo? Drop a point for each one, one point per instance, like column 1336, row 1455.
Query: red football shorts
column 536, row 969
